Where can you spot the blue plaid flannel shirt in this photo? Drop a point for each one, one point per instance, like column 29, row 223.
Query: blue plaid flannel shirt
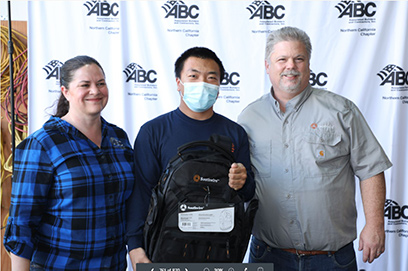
column 68, row 198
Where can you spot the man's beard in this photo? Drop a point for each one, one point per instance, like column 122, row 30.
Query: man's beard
column 292, row 88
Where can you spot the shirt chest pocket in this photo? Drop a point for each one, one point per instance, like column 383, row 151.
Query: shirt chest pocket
column 322, row 154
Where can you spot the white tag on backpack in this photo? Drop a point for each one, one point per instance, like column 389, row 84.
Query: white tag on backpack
column 200, row 217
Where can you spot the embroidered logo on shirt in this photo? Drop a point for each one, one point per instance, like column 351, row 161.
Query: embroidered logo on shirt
column 117, row 143
column 324, row 127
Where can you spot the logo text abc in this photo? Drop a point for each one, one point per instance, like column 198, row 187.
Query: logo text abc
column 396, row 78
column 269, row 12
column 396, row 212
column 104, row 9
column 230, row 79
column 319, row 79
column 142, row 76
column 183, row 12
column 358, row 10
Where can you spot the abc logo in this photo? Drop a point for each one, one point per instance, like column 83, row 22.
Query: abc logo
column 55, row 73
column 396, row 78
column 53, row 69
column 232, row 78
column 104, row 9
column 318, row 79
column 142, row 76
column 183, row 12
column 355, row 10
column 269, row 12
column 392, row 210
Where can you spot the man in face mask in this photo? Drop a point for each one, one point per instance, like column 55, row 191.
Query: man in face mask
column 198, row 76
column 198, row 83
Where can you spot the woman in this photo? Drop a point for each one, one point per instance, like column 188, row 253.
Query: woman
column 71, row 180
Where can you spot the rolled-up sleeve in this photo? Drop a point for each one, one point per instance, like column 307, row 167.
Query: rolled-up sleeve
column 31, row 183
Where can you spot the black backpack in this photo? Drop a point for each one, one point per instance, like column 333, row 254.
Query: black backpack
column 194, row 215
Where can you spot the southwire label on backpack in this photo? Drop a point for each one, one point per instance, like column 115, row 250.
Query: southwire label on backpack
column 201, row 217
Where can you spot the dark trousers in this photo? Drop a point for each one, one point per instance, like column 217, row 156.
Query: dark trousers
column 344, row 259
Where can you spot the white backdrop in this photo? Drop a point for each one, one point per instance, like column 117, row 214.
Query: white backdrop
column 359, row 51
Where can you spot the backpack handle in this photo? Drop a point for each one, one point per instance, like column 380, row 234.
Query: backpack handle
column 206, row 143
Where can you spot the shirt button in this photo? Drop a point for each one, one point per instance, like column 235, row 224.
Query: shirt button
column 292, row 221
column 286, row 170
column 288, row 196
column 286, row 145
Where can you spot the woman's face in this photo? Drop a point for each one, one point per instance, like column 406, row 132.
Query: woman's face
column 87, row 93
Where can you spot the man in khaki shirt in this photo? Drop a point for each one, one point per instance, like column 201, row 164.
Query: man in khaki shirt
column 307, row 146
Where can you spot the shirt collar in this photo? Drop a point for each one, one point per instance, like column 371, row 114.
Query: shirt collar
column 294, row 104
column 56, row 123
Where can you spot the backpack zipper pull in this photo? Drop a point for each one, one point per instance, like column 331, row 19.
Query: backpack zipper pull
column 228, row 249
column 207, row 197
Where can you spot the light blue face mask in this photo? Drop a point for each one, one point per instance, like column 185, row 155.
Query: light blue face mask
column 199, row 96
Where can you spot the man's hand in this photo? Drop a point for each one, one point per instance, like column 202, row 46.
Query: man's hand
column 237, row 176
column 372, row 237
column 138, row 255
column 372, row 243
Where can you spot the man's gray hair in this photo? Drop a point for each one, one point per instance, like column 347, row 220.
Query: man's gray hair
column 287, row 33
